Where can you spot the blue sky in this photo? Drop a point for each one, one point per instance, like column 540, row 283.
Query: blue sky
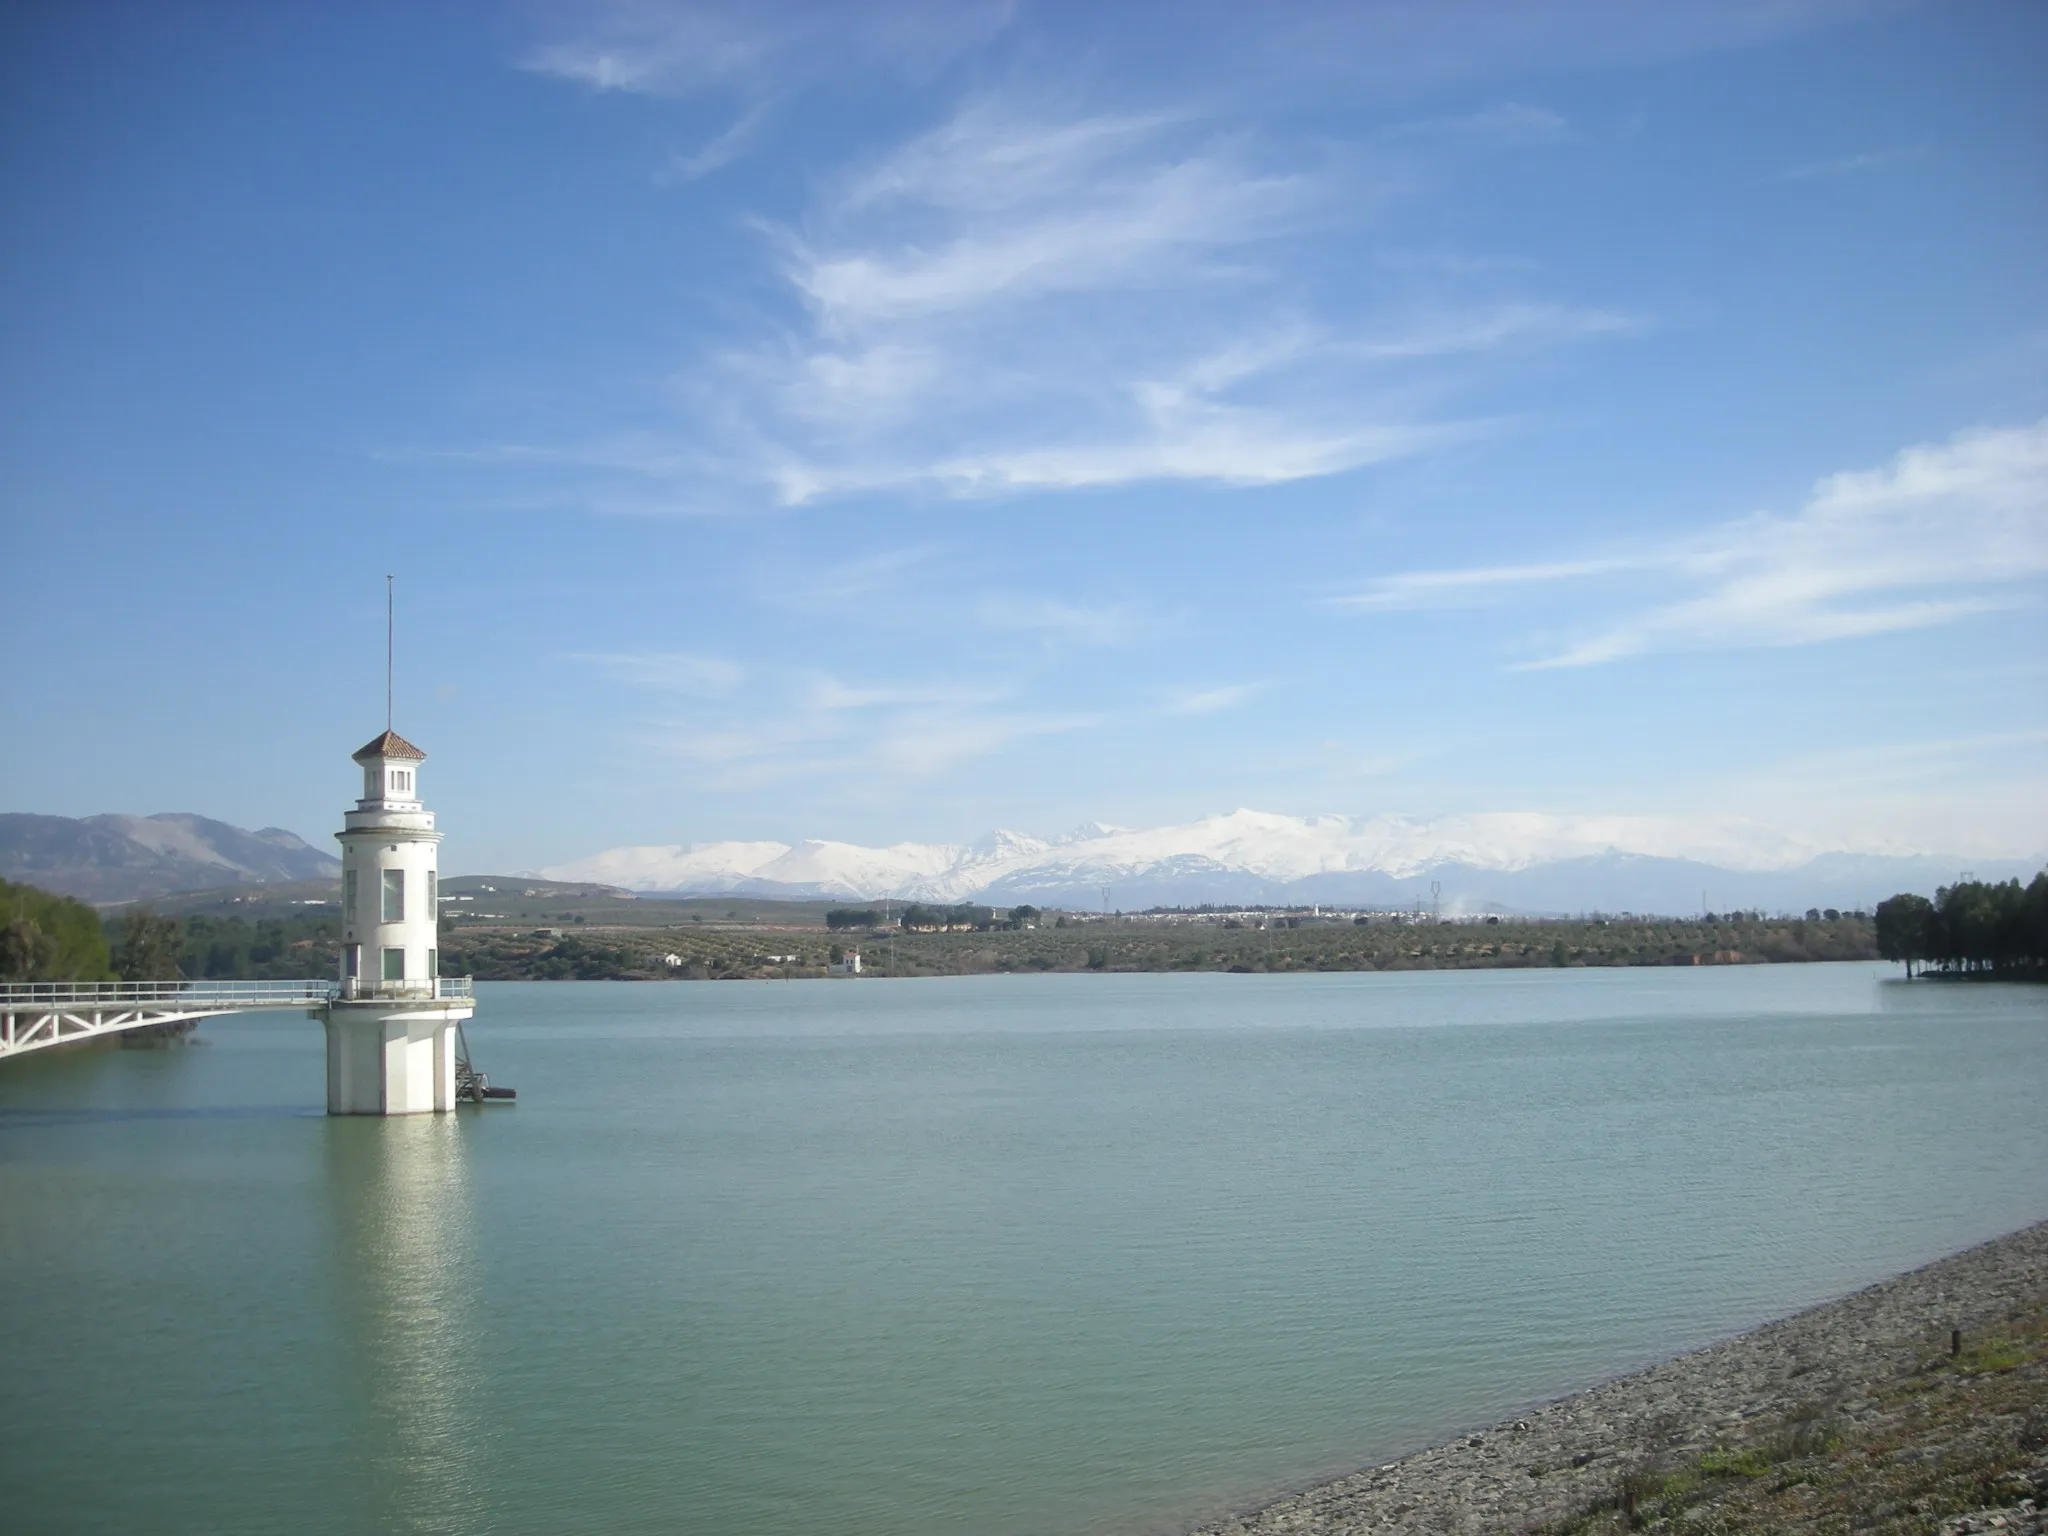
column 896, row 422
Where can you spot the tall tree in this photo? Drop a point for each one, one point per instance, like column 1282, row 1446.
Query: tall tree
column 149, row 947
column 1905, row 929
column 26, row 952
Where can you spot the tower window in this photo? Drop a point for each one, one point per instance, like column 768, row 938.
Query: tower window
column 394, row 965
column 348, row 896
column 394, row 895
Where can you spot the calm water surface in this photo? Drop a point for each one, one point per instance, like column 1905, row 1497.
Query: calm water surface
column 1066, row 1255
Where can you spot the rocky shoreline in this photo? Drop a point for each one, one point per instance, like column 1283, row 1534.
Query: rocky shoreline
column 1918, row 1404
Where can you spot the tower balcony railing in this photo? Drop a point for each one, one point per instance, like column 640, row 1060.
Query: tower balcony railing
column 363, row 989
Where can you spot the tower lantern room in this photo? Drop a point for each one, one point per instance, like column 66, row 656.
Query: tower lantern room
column 391, row 769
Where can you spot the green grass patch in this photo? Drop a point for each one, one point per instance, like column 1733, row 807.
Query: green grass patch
column 1989, row 1358
column 1749, row 1461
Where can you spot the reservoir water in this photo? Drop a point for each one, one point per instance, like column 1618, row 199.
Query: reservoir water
column 1058, row 1255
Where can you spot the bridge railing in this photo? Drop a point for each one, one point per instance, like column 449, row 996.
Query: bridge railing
column 16, row 996
column 175, row 994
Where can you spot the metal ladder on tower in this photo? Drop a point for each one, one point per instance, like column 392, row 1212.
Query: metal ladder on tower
column 471, row 1084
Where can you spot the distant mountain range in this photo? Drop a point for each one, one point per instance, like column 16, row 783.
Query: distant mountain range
column 1495, row 862
column 1483, row 863
column 130, row 858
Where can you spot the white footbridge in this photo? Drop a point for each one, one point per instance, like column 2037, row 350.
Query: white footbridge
column 35, row 1015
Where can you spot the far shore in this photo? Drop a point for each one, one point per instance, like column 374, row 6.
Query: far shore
column 1892, row 1409
column 591, row 951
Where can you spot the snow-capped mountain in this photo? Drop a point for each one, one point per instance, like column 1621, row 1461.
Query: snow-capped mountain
column 1509, row 860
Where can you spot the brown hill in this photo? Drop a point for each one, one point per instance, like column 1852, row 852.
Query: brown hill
column 129, row 858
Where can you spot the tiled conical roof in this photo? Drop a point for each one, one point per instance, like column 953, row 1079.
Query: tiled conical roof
column 390, row 744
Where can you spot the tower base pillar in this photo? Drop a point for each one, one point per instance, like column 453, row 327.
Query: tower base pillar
column 387, row 1057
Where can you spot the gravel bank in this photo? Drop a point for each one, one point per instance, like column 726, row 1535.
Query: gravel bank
column 1868, row 1380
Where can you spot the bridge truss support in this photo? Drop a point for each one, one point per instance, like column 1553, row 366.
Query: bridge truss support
column 33, row 1029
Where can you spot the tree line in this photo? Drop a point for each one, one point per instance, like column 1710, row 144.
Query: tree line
column 919, row 918
column 1971, row 928
column 46, row 937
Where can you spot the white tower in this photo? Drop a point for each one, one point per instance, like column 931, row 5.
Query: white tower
column 391, row 1031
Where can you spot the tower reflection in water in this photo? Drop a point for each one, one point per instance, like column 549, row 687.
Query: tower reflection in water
column 405, row 1265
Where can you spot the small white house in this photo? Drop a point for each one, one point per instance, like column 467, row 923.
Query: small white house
column 850, row 965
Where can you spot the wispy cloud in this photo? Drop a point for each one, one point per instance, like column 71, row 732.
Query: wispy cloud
column 651, row 48
column 1777, row 622
column 1031, row 296
column 857, row 588
column 925, row 746
column 1505, row 123
column 1943, row 532
column 1240, row 447
column 1888, row 763
column 1477, row 584
column 932, row 589
column 719, row 151
column 676, row 47
column 1505, row 325
column 730, row 728
column 670, row 671
column 1209, row 701
column 1977, row 795
column 1406, row 47
column 830, row 693
column 1849, row 165
column 1025, row 298
column 997, row 207
column 1186, row 423
column 952, row 290
column 990, row 157
column 1057, row 618
column 819, row 730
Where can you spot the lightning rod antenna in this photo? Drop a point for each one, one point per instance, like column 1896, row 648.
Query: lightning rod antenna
column 390, row 637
